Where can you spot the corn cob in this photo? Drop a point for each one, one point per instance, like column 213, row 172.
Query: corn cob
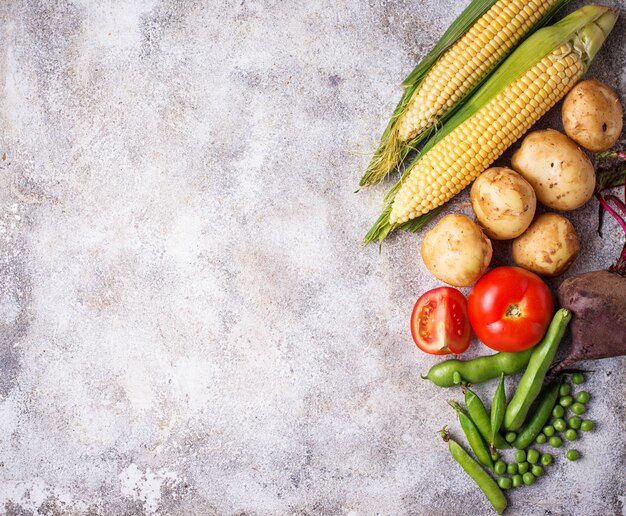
column 460, row 157
column 525, row 87
column 468, row 61
column 458, row 71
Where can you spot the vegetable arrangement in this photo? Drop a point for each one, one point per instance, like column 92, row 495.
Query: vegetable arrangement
column 534, row 78
column 545, row 424
column 468, row 111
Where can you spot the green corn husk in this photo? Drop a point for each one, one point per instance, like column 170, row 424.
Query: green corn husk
column 586, row 29
column 391, row 151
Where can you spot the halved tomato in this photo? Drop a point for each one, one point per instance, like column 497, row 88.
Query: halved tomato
column 439, row 322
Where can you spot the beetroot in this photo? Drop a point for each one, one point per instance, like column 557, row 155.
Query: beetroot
column 598, row 299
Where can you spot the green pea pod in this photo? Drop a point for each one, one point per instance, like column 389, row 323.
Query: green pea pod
column 473, row 436
column 498, row 408
column 530, row 385
column 478, row 414
column 453, row 372
column 487, row 484
column 540, row 417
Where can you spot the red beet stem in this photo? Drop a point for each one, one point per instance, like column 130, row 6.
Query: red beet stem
column 620, row 265
column 618, row 202
column 607, row 207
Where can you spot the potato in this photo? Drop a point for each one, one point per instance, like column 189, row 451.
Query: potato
column 557, row 168
column 592, row 115
column 456, row 250
column 548, row 247
column 504, row 203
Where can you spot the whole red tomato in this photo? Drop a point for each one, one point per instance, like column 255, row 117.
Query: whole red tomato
column 510, row 308
column 439, row 322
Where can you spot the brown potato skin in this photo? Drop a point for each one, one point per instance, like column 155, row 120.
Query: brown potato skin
column 548, row 247
column 456, row 251
column 559, row 171
column 592, row 115
column 504, row 203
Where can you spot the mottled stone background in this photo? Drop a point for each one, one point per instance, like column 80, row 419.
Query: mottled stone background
column 188, row 322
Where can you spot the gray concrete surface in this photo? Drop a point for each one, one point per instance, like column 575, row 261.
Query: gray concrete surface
column 189, row 324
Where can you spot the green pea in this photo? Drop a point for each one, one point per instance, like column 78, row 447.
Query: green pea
column 587, row 425
column 528, row 478
column 532, row 456
column 499, row 467
column 537, row 470
column 523, row 467
column 583, row 397
column 578, row 408
column 495, row 455
column 572, row 455
column 571, row 434
column 574, row 422
column 578, row 378
column 517, row 480
column 510, row 437
column 505, row 483
column 541, row 438
column 546, row 459
column 558, row 411
column 511, row 469
column 556, row 441
column 565, row 389
column 566, row 401
column 559, row 424
column 548, row 430
column 520, row 455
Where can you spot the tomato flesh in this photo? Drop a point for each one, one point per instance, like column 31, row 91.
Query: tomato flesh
column 439, row 322
column 510, row 308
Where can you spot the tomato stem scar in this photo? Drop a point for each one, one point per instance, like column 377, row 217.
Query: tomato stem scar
column 513, row 311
